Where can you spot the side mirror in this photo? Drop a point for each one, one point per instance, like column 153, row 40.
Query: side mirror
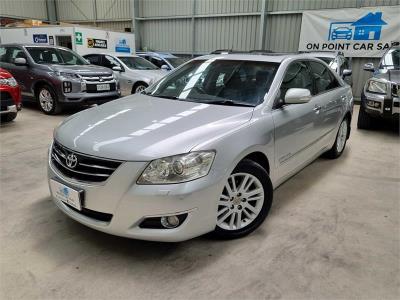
column 165, row 68
column 20, row 61
column 117, row 68
column 369, row 67
column 346, row 72
column 297, row 96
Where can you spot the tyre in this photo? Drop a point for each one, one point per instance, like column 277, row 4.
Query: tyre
column 139, row 87
column 8, row 117
column 364, row 121
column 48, row 101
column 245, row 201
column 340, row 141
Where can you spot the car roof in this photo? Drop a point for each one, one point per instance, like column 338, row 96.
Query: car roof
column 267, row 57
column 117, row 54
column 322, row 54
column 159, row 54
column 34, row 45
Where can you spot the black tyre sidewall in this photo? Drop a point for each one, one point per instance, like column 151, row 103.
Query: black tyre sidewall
column 8, row 117
column 364, row 121
column 250, row 167
column 56, row 105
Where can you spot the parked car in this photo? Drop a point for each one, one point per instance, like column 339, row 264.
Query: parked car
column 381, row 93
column 56, row 77
column 10, row 96
column 337, row 62
column 134, row 73
column 163, row 60
column 202, row 150
column 342, row 33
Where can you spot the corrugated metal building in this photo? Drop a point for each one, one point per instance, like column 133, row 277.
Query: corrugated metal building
column 196, row 26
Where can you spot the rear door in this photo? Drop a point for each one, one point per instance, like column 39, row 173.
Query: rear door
column 295, row 124
column 329, row 95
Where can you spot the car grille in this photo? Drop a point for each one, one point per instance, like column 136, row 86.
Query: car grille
column 95, row 78
column 80, row 166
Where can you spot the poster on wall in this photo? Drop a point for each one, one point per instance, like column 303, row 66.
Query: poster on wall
column 40, row 38
column 97, row 43
column 357, row 32
column 122, row 46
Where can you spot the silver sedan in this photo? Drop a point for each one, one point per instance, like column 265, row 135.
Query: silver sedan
column 200, row 151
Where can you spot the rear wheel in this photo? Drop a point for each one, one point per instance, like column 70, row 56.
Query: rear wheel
column 341, row 139
column 8, row 117
column 245, row 201
column 365, row 121
column 48, row 100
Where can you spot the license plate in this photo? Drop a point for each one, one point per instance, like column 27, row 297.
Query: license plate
column 66, row 194
column 103, row 87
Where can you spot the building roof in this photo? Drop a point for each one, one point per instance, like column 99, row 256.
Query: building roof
column 370, row 19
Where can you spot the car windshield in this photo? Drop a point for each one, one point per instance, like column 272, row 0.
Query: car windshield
column 137, row 63
column 391, row 60
column 218, row 81
column 176, row 61
column 43, row 55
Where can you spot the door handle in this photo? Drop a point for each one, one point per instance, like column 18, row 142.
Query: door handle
column 317, row 109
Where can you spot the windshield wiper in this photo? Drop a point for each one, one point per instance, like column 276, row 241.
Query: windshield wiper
column 161, row 96
column 228, row 102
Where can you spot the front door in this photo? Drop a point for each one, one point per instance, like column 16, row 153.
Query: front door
column 295, row 124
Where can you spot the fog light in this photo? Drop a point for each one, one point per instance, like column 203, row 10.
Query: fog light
column 170, row 221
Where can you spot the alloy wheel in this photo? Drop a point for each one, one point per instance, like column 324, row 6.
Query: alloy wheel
column 241, row 201
column 46, row 100
column 140, row 89
column 342, row 136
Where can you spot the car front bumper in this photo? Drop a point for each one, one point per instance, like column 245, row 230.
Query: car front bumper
column 381, row 105
column 129, row 204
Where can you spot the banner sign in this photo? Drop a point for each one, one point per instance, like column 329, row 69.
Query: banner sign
column 122, row 46
column 40, row 38
column 357, row 32
column 97, row 43
column 78, row 38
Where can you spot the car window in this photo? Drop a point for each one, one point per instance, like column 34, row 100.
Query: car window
column 110, row 62
column 209, row 81
column 137, row 63
column 9, row 54
column 157, row 61
column 48, row 55
column 297, row 76
column 323, row 78
column 94, row 59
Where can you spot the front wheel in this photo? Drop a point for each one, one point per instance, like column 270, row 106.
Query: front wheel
column 341, row 139
column 138, row 88
column 8, row 117
column 245, row 201
column 48, row 101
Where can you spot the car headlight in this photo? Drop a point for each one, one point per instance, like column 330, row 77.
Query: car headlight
column 9, row 81
column 66, row 75
column 177, row 168
column 375, row 86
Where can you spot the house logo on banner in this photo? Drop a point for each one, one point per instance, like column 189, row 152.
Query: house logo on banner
column 368, row 27
column 358, row 32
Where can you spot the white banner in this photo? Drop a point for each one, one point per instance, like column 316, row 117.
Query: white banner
column 358, row 32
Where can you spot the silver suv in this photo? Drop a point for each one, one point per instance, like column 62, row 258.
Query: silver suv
column 200, row 151
column 57, row 77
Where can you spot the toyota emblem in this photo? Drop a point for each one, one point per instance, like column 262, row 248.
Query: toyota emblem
column 71, row 160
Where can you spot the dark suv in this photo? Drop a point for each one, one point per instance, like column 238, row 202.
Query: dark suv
column 56, row 77
column 381, row 93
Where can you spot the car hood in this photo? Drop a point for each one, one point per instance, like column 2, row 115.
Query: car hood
column 82, row 69
column 142, row 128
column 391, row 75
